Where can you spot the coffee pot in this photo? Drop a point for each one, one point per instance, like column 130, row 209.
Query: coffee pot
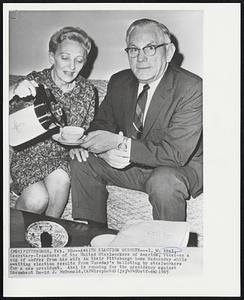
column 34, row 120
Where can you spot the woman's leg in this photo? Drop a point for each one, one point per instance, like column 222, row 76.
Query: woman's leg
column 57, row 185
column 34, row 198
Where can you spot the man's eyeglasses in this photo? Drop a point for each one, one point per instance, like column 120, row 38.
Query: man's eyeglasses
column 149, row 50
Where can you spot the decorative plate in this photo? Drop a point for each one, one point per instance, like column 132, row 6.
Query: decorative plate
column 57, row 137
column 46, row 234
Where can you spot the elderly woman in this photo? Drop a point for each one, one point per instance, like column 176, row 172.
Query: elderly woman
column 41, row 172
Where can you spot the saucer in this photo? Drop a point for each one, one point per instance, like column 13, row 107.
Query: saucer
column 57, row 137
column 59, row 236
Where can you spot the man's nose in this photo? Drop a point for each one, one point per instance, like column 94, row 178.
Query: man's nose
column 141, row 55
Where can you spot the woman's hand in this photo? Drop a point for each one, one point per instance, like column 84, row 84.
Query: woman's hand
column 80, row 153
column 24, row 88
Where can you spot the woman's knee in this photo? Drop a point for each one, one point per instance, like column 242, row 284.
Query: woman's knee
column 33, row 198
column 58, row 178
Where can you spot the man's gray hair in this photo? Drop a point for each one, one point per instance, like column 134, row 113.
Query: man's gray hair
column 143, row 22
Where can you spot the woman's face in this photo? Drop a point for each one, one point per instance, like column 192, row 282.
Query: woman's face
column 68, row 60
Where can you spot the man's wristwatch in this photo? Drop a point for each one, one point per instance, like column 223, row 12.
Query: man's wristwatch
column 123, row 146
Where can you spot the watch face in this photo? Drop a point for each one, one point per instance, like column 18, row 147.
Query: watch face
column 122, row 146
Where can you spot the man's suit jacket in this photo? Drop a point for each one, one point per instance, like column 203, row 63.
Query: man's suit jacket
column 172, row 134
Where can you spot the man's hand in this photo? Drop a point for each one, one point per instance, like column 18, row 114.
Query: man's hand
column 80, row 153
column 116, row 158
column 101, row 141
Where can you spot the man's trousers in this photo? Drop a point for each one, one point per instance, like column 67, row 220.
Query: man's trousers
column 168, row 188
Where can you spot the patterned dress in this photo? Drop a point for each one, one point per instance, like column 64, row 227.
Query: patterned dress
column 36, row 161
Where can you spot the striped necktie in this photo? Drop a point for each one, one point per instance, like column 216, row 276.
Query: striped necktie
column 139, row 113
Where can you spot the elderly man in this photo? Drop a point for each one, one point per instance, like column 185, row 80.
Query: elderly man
column 147, row 134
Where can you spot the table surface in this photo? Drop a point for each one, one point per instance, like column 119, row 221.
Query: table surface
column 80, row 234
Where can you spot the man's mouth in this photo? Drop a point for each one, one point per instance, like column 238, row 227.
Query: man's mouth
column 143, row 68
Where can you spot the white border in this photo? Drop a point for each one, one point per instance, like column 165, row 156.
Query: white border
column 221, row 168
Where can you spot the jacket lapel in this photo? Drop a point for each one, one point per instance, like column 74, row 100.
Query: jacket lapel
column 159, row 98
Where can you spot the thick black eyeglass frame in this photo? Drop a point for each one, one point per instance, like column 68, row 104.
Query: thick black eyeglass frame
column 154, row 46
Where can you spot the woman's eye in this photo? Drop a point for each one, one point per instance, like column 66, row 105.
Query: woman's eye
column 64, row 57
column 80, row 61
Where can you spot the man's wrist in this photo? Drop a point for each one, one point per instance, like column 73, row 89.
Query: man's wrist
column 119, row 140
column 124, row 144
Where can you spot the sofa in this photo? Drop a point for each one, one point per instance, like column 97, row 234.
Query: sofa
column 126, row 205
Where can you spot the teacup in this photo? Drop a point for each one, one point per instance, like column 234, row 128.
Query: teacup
column 71, row 133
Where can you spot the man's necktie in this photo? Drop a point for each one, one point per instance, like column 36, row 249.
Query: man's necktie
column 139, row 113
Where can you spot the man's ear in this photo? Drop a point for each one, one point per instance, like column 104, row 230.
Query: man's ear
column 170, row 50
column 51, row 58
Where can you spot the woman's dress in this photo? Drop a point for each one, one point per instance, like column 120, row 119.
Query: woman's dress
column 36, row 161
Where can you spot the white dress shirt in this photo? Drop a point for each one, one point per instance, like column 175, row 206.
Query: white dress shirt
column 150, row 93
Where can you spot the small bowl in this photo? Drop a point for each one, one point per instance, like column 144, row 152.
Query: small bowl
column 102, row 240
column 71, row 133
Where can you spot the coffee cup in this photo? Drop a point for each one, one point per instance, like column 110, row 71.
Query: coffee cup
column 71, row 133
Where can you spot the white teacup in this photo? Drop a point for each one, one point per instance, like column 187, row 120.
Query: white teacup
column 71, row 133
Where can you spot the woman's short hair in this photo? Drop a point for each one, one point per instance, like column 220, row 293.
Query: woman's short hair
column 143, row 22
column 71, row 33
